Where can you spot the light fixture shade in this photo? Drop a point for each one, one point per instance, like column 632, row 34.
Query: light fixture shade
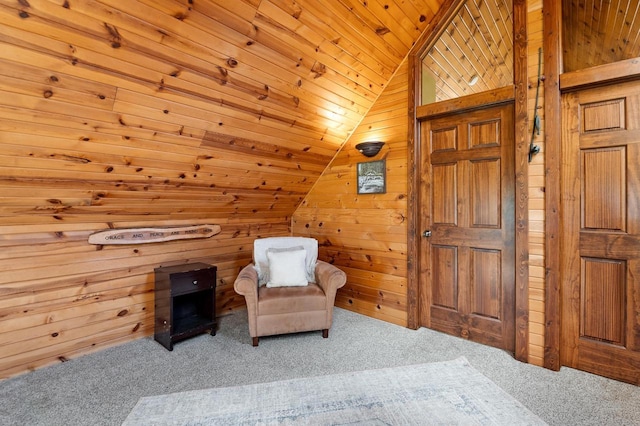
column 369, row 149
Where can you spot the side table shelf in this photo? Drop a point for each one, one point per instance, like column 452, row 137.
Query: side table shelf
column 185, row 302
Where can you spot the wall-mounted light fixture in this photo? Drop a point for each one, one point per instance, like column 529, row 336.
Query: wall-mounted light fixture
column 369, row 149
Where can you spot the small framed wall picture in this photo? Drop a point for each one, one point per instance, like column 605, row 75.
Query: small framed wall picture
column 372, row 177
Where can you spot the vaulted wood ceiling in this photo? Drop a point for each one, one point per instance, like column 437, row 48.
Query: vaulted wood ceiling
column 239, row 95
column 249, row 98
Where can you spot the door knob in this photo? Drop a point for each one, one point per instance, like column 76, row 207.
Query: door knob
column 426, row 233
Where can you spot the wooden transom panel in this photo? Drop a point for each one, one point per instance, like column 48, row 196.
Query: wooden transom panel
column 474, row 53
column 596, row 32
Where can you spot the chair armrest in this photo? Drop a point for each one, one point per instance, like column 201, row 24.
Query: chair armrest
column 247, row 282
column 247, row 285
column 330, row 279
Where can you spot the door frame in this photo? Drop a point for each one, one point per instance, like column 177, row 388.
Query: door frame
column 447, row 11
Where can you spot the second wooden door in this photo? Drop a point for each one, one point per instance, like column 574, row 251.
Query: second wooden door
column 601, row 231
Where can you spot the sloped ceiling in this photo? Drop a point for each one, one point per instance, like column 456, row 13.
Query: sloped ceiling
column 239, row 95
column 237, row 106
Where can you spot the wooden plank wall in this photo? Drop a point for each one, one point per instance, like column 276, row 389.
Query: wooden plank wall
column 61, row 297
column 90, row 143
column 366, row 235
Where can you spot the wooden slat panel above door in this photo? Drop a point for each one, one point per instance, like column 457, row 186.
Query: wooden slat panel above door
column 597, row 33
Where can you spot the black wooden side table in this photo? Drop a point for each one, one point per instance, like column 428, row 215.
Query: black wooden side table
column 185, row 302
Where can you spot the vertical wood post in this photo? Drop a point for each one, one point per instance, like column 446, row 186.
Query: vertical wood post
column 522, row 179
column 552, row 11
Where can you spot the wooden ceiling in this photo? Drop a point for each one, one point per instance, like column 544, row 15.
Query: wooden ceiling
column 597, row 32
column 315, row 66
column 173, row 98
column 245, row 96
column 249, row 96
column 478, row 42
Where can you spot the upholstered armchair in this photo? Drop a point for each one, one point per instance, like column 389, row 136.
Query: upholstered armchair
column 287, row 289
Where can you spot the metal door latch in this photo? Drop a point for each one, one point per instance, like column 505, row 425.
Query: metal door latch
column 426, row 234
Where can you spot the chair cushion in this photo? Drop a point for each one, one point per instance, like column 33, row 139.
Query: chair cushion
column 287, row 268
column 261, row 262
column 281, row 300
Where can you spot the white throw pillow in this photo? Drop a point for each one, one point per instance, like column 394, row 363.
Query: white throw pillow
column 263, row 267
column 287, row 268
column 261, row 263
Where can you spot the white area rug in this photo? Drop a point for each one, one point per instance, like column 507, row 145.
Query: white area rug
column 444, row 393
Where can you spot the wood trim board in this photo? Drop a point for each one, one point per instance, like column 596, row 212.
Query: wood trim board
column 553, row 141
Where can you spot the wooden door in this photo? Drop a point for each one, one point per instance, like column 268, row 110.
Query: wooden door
column 600, row 254
column 467, row 196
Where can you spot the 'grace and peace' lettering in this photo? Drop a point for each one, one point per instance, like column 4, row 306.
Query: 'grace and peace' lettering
column 153, row 235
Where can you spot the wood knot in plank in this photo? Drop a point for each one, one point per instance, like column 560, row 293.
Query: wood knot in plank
column 224, row 73
column 116, row 40
column 297, row 12
column 382, row 31
column 232, row 62
column 319, row 69
column 264, row 95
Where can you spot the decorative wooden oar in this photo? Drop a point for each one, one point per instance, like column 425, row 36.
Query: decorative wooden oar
column 153, row 235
